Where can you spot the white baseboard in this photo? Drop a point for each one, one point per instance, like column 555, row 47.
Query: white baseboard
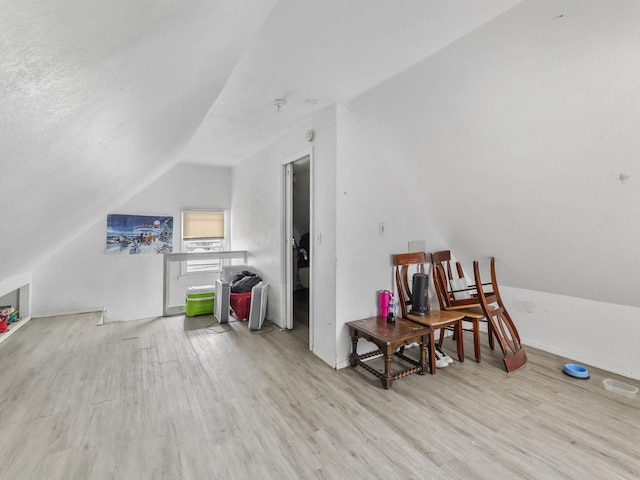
column 73, row 312
column 342, row 364
column 582, row 359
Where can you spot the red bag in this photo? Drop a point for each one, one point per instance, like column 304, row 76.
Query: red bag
column 240, row 304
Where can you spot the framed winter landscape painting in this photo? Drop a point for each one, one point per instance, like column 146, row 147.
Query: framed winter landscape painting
column 139, row 234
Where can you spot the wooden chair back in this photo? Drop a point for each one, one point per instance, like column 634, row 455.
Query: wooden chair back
column 443, row 275
column 500, row 322
column 403, row 262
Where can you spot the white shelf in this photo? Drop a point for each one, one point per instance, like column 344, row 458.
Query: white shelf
column 13, row 328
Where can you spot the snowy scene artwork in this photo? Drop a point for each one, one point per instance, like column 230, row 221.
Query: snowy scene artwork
column 139, row 234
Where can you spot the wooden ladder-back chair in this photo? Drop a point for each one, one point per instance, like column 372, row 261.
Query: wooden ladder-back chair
column 436, row 319
column 463, row 299
column 500, row 322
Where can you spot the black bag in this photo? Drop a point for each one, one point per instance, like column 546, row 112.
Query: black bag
column 243, row 282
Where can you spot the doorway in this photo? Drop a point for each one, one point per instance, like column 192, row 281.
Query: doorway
column 298, row 249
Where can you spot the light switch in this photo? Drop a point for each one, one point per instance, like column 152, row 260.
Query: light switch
column 417, row 246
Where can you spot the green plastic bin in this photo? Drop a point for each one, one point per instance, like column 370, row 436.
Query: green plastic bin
column 199, row 300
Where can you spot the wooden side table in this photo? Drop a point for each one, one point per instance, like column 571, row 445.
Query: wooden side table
column 389, row 337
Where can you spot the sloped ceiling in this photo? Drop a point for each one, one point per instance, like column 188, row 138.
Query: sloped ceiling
column 97, row 99
column 329, row 51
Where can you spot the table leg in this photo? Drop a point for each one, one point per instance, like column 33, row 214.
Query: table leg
column 353, row 358
column 387, row 381
column 423, row 355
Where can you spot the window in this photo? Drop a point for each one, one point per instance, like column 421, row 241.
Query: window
column 203, row 231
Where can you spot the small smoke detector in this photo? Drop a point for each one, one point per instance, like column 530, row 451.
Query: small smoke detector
column 310, row 135
column 279, row 103
column 311, row 101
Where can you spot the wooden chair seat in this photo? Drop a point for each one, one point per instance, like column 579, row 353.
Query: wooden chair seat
column 438, row 320
column 471, row 312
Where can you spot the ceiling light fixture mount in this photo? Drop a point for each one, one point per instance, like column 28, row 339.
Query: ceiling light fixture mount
column 279, row 103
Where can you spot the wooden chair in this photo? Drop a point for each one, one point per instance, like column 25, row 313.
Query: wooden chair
column 436, row 319
column 500, row 322
column 461, row 299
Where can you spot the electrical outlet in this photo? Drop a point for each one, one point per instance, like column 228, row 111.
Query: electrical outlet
column 381, row 228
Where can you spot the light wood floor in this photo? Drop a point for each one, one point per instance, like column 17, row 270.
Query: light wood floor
column 169, row 399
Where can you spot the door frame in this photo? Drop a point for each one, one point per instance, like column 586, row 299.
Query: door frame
column 287, row 239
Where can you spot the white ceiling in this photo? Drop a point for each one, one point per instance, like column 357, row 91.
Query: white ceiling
column 99, row 99
column 96, row 101
column 330, row 51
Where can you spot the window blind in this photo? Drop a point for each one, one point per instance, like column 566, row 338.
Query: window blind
column 200, row 225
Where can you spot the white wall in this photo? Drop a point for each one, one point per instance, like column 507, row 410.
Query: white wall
column 603, row 335
column 354, row 189
column 370, row 192
column 514, row 139
column 256, row 224
column 82, row 277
